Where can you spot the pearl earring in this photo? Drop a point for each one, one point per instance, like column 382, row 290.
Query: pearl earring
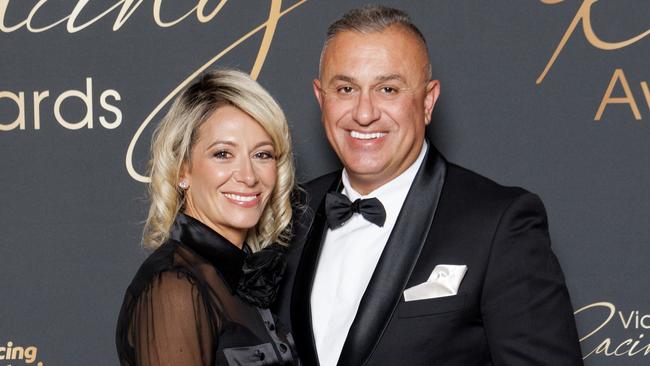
column 183, row 184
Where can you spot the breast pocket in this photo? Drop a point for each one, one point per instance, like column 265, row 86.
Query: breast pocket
column 259, row 355
column 417, row 308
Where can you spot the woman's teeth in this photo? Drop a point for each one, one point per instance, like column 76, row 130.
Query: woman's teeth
column 237, row 197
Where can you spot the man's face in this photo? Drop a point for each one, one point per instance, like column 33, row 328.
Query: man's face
column 376, row 101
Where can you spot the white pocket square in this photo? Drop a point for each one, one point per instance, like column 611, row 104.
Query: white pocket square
column 443, row 281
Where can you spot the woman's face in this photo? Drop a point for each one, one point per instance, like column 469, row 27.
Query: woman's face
column 231, row 174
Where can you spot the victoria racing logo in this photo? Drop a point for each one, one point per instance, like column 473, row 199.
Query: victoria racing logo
column 13, row 353
column 616, row 331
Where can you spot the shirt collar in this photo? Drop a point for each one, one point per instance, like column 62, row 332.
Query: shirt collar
column 393, row 193
column 227, row 258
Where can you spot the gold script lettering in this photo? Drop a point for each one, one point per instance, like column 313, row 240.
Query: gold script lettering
column 619, row 75
column 199, row 9
column 200, row 13
column 608, row 347
column 612, row 311
column 607, row 305
column 28, row 21
column 127, row 8
column 584, row 14
column 156, row 15
column 124, row 14
column 275, row 14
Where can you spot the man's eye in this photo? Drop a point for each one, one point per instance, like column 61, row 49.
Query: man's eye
column 221, row 154
column 345, row 89
column 264, row 155
column 388, row 90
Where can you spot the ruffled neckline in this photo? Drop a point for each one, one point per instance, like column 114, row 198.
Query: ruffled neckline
column 262, row 274
column 254, row 277
column 225, row 256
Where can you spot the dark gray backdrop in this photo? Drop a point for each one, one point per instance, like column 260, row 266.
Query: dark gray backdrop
column 71, row 214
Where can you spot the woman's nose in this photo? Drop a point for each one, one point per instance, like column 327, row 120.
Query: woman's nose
column 245, row 172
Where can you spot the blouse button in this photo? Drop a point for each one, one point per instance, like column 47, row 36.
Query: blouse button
column 283, row 348
column 260, row 355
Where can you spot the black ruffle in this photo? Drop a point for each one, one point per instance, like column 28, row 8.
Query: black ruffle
column 261, row 275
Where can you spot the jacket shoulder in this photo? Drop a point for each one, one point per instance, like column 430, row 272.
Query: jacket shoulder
column 470, row 186
column 467, row 194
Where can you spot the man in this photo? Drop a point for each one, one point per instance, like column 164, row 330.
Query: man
column 491, row 291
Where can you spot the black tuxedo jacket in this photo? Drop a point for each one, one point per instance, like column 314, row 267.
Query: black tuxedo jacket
column 512, row 306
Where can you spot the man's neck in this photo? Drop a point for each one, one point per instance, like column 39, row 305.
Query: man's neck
column 365, row 185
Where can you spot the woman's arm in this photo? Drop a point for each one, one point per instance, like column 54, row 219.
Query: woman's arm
column 170, row 324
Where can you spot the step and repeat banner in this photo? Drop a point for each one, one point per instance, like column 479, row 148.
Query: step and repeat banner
column 551, row 95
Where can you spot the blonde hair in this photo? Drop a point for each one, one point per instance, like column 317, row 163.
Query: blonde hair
column 177, row 133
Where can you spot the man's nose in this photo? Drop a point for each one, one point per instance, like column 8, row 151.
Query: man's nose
column 365, row 111
column 245, row 172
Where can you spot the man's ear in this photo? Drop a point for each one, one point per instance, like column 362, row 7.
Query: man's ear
column 318, row 92
column 432, row 92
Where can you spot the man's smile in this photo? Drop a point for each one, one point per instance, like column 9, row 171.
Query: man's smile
column 367, row 135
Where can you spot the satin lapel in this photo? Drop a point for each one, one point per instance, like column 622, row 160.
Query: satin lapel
column 301, row 297
column 396, row 263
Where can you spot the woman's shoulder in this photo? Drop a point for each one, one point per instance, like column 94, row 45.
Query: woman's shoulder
column 160, row 263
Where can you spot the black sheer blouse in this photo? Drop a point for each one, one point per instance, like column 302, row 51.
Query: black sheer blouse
column 183, row 307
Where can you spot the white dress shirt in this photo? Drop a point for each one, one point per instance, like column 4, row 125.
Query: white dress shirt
column 347, row 261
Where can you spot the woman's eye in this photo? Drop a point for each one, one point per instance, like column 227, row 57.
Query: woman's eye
column 264, row 155
column 221, row 154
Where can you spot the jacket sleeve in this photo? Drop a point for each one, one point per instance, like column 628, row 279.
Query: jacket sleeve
column 525, row 304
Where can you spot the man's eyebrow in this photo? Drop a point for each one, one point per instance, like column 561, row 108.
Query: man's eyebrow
column 341, row 77
column 379, row 79
column 391, row 77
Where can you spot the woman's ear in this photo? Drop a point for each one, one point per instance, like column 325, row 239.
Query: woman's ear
column 184, row 178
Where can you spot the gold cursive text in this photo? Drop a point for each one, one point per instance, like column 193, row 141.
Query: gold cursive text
column 629, row 347
column 126, row 9
column 584, row 15
column 269, row 26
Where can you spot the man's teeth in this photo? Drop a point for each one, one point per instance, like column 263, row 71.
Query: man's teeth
column 237, row 197
column 366, row 136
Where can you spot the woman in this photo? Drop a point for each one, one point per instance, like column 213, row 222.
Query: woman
column 221, row 180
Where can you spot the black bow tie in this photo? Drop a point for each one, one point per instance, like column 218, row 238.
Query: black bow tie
column 339, row 209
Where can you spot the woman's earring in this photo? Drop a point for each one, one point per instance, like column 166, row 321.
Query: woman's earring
column 183, row 184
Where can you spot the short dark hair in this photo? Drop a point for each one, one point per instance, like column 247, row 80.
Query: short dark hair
column 372, row 19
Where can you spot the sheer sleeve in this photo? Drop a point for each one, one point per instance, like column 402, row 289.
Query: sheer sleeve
column 170, row 324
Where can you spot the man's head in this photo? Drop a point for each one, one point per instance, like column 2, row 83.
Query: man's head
column 376, row 94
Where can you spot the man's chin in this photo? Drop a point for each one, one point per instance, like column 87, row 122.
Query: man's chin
column 364, row 171
column 367, row 176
